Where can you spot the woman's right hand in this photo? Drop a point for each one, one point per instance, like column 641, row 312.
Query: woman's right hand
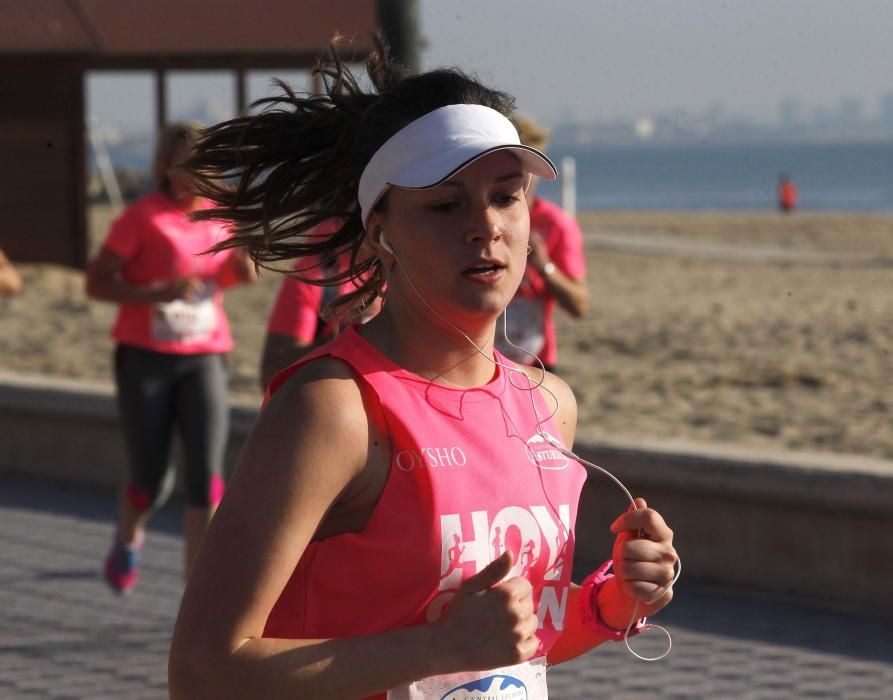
column 180, row 288
column 104, row 281
column 490, row 622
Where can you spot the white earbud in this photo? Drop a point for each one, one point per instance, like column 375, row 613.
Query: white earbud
column 385, row 244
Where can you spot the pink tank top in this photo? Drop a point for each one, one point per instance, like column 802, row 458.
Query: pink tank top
column 470, row 477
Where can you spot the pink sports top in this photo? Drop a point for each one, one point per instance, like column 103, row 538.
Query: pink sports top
column 530, row 318
column 296, row 311
column 158, row 242
column 471, row 476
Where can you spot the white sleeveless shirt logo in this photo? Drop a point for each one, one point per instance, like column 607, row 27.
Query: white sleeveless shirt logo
column 186, row 320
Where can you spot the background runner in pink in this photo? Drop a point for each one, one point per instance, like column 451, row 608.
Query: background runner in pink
column 555, row 274
column 159, row 245
column 170, row 369
column 296, row 323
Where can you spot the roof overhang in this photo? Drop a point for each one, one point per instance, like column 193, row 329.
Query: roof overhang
column 183, row 33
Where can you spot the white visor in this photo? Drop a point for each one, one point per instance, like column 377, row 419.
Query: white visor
column 434, row 147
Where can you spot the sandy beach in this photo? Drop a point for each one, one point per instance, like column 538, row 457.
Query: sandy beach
column 748, row 328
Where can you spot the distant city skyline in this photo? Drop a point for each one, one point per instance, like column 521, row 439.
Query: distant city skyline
column 847, row 121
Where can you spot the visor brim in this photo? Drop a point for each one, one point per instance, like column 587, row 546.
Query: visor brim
column 434, row 171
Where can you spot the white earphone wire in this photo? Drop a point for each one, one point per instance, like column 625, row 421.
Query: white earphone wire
column 552, row 441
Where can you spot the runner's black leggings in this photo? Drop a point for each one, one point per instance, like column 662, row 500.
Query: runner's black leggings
column 163, row 394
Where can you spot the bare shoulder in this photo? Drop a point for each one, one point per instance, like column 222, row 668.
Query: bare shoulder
column 307, row 448
column 559, row 398
column 315, row 421
column 323, row 394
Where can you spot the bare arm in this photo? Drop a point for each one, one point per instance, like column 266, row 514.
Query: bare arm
column 571, row 294
column 290, row 476
column 10, row 281
column 239, row 269
column 643, row 567
column 105, row 283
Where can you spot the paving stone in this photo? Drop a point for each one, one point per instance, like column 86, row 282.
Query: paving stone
column 64, row 635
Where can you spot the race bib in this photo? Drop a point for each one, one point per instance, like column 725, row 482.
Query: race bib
column 186, row 320
column 525, row 327
column 525, row 681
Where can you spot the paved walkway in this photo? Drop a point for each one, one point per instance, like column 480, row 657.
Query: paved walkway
column 63, row 635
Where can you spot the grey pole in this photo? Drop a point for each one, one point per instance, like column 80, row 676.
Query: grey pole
column 399, row 20
column 569, row 185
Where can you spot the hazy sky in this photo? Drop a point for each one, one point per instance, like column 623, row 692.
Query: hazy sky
column 626, row 58
column 606, row 59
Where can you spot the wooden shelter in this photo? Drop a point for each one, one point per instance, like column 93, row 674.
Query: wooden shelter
column 47, row 46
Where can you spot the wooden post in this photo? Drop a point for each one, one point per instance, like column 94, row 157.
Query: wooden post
column 78, row 159
column 399, row 21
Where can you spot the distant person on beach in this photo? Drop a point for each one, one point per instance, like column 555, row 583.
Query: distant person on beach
column 555, row 274
column 299, row 320
column 10, row 281
column 401, row 521
column 170, row 361
column 787, row 194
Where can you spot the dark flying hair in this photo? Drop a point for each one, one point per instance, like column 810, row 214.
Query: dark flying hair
column 275, row 176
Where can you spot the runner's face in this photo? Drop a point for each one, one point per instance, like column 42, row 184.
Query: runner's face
column 180, row 182
column 463, row 243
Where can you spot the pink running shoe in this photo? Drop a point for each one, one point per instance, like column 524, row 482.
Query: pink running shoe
column 122, row 567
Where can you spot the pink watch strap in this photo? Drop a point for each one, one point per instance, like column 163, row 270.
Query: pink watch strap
column 588, row 605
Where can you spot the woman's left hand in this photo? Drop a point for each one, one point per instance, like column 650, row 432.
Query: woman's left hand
column 539, row 253
column 644, row 560
column 238, row 269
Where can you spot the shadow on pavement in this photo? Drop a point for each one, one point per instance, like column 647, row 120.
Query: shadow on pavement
column 97, row 503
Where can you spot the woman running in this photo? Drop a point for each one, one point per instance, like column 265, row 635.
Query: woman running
column 370, row 544
column 170, row 361
column 299, row 320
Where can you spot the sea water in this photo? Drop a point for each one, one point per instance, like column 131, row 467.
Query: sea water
column 829, row 176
